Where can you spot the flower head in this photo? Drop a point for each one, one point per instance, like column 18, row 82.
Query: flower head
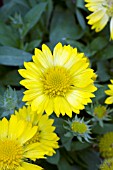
column 102, row 13
column 109, row 92
column 79, row 128
column 45, row 134
column 14, row 150
column 107, row 164
column 99, row 113
column 106, row 145
column 62, row 82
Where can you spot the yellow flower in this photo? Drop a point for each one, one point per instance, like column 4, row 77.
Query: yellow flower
column 102, row 13
column 107, row 164
column 100, row 111
column 14, row 151
column 45, row 134
column 109, row 100
column 106, row 145
column 62, row 82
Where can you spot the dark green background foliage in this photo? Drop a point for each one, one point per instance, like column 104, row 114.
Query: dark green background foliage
column 26, row 24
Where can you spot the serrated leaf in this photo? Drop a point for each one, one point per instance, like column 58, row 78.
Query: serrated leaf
column 13, row 57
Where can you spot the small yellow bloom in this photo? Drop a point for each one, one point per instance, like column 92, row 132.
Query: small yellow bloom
column 109, row 100
column 107, row 164
column 45, row 134
column 100, row 111
column 79, row 127
column 60, row 83
column 102, row 13
column 106, row 145
column 13, row 148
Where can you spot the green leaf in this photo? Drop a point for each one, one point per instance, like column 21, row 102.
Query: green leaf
column 76, row 44
column 100, row 93
column 76, row 145
column 61, row 23
column 32, row 45
column 12, row 7
column 102, row 70
column 7, row 37
column 13, row 57
column 80, row 18
column 64, row 165
column 32, row 17
column 9, row 99
column 6, row 9
column 90, row 158
column 106, row 53
column 96, row 45
column 80, row 4
column 55, row 158
column 49, row 10
column 66, row 142
column 101, row 130
column 11, row 78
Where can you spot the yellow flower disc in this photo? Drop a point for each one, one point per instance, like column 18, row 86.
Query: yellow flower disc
column 14, row 150
column 61, row 82
column 100, row 111
column 10, row 154
column 106, row 145
column 79, row 127
column 109, row 92
column 107, row 164
column 102, row 13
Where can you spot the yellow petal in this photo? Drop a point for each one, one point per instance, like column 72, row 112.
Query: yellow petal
column 111, row 29
column 29, row 166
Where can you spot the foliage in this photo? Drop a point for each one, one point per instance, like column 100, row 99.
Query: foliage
column 26, row 25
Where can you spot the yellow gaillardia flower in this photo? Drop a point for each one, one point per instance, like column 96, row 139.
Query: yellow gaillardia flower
column 14, row 151
column 102, row 13
column 62, row 82
column 107, row 164
column 106, row 145
column 45, row 134
column 109, row 100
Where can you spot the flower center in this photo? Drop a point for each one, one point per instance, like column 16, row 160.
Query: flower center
column 110, row 8
column 34, row 139
column 57, row 81
column 79, row 127
column 10, row 154
column 100, row 111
